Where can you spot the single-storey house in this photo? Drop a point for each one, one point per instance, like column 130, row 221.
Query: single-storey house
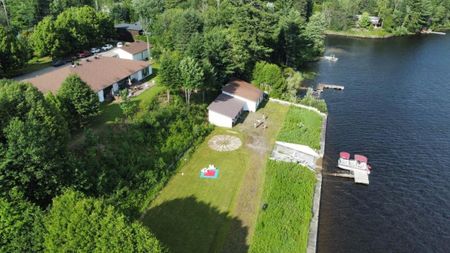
column 137, row 51
column 105, row 75
column 237, row 96
column 246, row 92
column 127, row 32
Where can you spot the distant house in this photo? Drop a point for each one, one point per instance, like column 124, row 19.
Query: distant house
column 133, row 51
column 105, row 75
column 127, row 32
column 374, row 20
column 237, row 96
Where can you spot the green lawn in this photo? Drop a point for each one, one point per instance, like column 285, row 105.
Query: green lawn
column 192, row 214
column 34, row 64
column 212, row 215
column 284, row 225
column 302, row 126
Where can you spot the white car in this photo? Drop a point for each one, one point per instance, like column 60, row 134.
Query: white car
column 119, row 44
column 95, row 50
column 107, row 47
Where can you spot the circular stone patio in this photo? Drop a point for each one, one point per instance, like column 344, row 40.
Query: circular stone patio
column 223, row 143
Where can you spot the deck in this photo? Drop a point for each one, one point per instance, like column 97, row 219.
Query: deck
column 322, row 86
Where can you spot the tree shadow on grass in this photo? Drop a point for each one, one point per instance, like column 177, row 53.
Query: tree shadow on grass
column 187, row 225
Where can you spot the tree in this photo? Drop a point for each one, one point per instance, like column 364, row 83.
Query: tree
column 79, row 102
column 43, row 37
column 364, row 20
column 33, row 139
column 218, row 50
column 58, row 6
column 191, row 76
column 21, row 226
column 74, row 29
column 128, row 107
column 169, row 72
column 76, row 223
column 23, row 13
column 270, row 78
column 13, row 52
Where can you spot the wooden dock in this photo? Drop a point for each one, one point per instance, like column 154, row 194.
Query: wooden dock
column 323, row 86
column 360, row 177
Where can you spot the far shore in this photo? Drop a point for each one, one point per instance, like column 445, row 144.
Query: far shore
column 360, row 34
column 374, row 34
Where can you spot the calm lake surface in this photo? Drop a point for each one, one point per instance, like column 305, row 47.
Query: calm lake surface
column 395, row 109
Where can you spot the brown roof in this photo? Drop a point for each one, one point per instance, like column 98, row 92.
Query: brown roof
column 227, row 106
column 243, row 89
column 97, row 73
column 134, row 47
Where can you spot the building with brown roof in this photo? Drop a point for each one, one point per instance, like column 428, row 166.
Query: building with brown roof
column 237, row 96
column 133, row 51
column 246, row 92
column 105, row 75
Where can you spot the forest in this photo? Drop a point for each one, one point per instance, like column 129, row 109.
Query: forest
column 57, row 187
column 398, row 17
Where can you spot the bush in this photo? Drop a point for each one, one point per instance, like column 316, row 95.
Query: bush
column 309, row 100
column 302, row 126
column 129, row 160
column 284, row 225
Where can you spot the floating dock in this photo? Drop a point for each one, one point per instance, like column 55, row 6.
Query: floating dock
column 323, row 86
column 359, row 177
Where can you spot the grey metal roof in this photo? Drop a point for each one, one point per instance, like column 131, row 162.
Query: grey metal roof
column 135, row 26
column 227, row 106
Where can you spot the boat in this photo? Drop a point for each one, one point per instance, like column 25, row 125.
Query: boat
column 358, row 167
column 332, row 58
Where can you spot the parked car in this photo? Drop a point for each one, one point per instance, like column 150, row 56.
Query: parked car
column 119, row 44
column 107, row 47
column 84, row 54
column 58, row 62
column 95, row 50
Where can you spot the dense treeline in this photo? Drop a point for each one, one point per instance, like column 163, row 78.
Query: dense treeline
column 398, row 16
column 202, row 44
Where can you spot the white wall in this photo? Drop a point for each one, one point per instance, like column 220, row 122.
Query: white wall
column 141, row 56
column 123, row 54
column 249, row 104
column 101, row 98
column 219, row 119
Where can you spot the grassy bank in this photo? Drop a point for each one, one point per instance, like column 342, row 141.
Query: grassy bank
column 362, row 33
column 284, row 225
column 302, row 126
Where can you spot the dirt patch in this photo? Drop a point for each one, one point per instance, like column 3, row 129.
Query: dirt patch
column 224, row 143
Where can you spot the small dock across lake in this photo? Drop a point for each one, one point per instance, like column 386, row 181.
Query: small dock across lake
column 322, row 86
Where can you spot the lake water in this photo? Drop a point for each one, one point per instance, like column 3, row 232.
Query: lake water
column 395, row 109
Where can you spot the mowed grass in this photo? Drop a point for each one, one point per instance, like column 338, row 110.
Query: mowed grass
column 191, row 214
column 284, row 225
column 302, row 126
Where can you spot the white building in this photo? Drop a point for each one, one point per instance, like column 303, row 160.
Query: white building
column 137, row 51
column 105, row 75
column 237, row 96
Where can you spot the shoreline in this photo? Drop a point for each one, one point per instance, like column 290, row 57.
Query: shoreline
column 313, row 232
column 360, row 36
column 314, row 224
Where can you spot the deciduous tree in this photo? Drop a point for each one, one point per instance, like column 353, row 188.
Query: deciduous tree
column 79, row 102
